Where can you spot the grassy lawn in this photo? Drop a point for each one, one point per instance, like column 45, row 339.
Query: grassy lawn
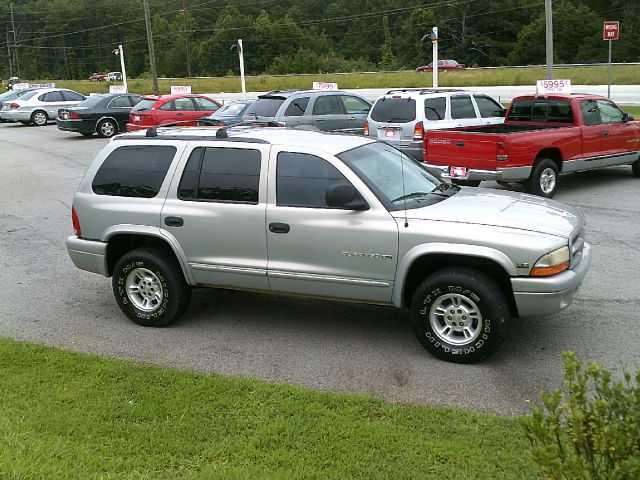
column 65, row 415
column 622, row 75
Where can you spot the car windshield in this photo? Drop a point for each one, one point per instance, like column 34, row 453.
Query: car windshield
column 392, row 110
column 144, row 104
column 264, row 107
column 229, row 110
column 397, row 180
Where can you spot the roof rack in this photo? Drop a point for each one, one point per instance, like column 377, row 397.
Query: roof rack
column 188, row 138
column 424, row 91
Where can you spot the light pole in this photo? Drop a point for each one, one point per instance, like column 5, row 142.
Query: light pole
column 238, row 46
column 119, row 52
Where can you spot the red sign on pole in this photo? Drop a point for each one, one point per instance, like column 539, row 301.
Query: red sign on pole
column 611, row 31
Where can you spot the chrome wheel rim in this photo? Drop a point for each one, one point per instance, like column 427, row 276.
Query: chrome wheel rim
column 455, row 319
column 144, row 289
column 107, row 129
column 547, row 180
column 39, row 118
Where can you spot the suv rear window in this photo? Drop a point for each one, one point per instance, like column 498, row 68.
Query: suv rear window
column 391, row 110
column 264, row 107
column 134, row 171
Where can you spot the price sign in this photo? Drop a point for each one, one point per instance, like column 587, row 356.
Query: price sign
column 20, row 86
column 553, row 86
column 180, row 89
column 117, row 89
column 611, row 30
column 325, row 86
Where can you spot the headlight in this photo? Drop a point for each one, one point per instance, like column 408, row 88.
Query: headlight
column 551, row 263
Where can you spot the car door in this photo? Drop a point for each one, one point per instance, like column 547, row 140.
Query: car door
column 204, row 107
column 491, row 112
column 463, row 112
column 185, row 109
column 119, row 108
column 71, row 98
column 322, row 251
column 51, row 102
column 328, row 113
column 619, row 138
column 216, row 213
column 357, row 111
column 294, row 112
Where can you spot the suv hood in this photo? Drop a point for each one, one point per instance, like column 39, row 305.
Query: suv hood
column 483, row 206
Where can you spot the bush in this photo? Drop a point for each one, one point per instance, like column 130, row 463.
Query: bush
column 590, row 431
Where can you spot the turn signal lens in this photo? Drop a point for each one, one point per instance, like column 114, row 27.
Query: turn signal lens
column 552, row 263
column 418, row 131
column 366, row 129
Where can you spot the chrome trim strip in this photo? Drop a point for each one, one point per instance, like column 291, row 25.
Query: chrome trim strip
column 228, row 269
column 330, row 279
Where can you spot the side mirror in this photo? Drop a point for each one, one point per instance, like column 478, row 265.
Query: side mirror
column 626, row 117
column 343, row 195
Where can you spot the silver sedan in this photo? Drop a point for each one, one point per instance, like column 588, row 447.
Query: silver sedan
column 39, row 106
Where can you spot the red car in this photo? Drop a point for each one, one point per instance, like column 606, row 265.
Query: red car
column 98, row 77
column 157, row 110
column 442, row 65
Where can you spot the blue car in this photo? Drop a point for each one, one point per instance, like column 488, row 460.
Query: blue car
column 230, row 114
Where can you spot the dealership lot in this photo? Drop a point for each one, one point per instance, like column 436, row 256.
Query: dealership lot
column 320, row 344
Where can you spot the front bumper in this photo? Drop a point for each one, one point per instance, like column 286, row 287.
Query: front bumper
column 505, row 174
column 16, row 115
column 89, row 255
column 80, row 126
column 537, row 296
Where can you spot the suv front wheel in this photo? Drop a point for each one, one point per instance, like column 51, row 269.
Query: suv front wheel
column 150, row 288
column 459, row 315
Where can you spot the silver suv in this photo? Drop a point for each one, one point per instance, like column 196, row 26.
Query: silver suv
column 400, row 117
column 324, row 110
column 323, row 215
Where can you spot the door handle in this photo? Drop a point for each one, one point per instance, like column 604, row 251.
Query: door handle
column 179, row 114
column 605, row 133
column 173, row 221
column 279, row 227
column 459, row 144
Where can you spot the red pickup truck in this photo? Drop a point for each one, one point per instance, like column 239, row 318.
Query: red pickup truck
column 542, row 137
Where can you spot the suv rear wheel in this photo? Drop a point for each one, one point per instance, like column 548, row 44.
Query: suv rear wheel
column 459, row 315
column 150, row 288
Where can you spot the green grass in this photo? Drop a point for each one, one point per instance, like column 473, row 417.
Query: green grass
column 622, row 75
column 65, row 415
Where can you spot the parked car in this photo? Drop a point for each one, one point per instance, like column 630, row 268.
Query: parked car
column 11, row 95
column 114, row 77
column 542, row 137
column 39, row 106
column 274, row 210
column 229, row 114
column 325, row 110
column 401, row 116
column 105, row 115
column 156, row 110
column 442, row 65
column 98, row 77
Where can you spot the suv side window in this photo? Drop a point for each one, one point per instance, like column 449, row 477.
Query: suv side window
column 221, row 175
column 435, row 108
column 134, row 171
column 297, row 107
column 609, row 113
column 461, row 107
column 488, row 107
column 327, row 105
column 354, row 105
column 302, row 180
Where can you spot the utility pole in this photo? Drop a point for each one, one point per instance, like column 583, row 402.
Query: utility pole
column 15, row 41
column 9, row 55
column 548, row 13
column 66, row 62
column 186, row 38
column 152, row 55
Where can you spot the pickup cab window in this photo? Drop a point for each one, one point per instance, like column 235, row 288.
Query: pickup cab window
column 557, row 111
column 609, row 113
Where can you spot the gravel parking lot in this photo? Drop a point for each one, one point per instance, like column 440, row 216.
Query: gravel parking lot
column 319, row 344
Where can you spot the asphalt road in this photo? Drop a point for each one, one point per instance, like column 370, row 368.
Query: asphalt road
column 319, row 344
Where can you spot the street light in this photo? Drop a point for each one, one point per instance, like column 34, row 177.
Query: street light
column 238, row 46
column 433, row 36
column 119, row 52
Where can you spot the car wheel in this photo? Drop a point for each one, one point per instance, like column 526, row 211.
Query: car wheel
column 466, row 183
column 39, row 118
column 107, row 128
column 635, row 168
column 544, row 178
column 459, row 315
column 149, row 287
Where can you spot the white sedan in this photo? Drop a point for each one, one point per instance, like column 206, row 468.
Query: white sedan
column 39, row 106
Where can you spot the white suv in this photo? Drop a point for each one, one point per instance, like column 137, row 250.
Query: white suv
column 400, row 117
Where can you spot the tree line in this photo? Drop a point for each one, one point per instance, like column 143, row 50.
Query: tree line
column 59, row 39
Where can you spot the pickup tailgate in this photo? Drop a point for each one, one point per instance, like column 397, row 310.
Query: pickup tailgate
column 462, row 149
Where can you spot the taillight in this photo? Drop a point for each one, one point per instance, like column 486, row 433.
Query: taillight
column 74, row 115
column 76, row 222
column 14, row 105
column 501, row 151
column 418, row 131
column 135, row 118
column 366, row 128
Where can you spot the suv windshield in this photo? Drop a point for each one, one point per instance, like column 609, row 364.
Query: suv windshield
column 382, row 168
column 264, row 107
column 390, row 110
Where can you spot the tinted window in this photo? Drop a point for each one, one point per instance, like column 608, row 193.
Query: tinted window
column 28, row 95
column 145, row 104
column 70, row 96
column 590, row 114
column 609, row 113
column 135, row 99
column 394, row 110
column 302, row 180
column 230, row 110
column 521, row 110
column 134, row 171
column 167, row 106
column 540, row 111
column 461, row 107
column 52, row 97
column 297, row 107
column 221, row 175
column 264, row 107
column 120, row 102
column 435, row 108
column 206, row 104
column 560, row 111
column 355, row 105
column 327, row 105
column 92, row 101
column 184, row 104
column 488, row 107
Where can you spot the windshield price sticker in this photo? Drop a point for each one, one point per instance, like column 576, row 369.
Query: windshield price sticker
column 553, row 86
column 325, row 86
column 178, row 89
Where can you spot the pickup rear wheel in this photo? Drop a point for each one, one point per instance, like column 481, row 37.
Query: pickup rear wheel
column 544, row 178
column 635, row 168
column 459, row 315
column 150, row 288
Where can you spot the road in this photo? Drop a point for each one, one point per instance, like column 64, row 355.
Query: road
column 319, row 344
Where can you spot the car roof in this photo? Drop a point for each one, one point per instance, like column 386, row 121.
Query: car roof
column 559, row 96
column 169, row 97
column 332, row 143
column 283, row 94
column 424, row 91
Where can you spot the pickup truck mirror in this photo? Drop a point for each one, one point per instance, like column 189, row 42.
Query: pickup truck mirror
column 626, row 117
column 343, row 195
